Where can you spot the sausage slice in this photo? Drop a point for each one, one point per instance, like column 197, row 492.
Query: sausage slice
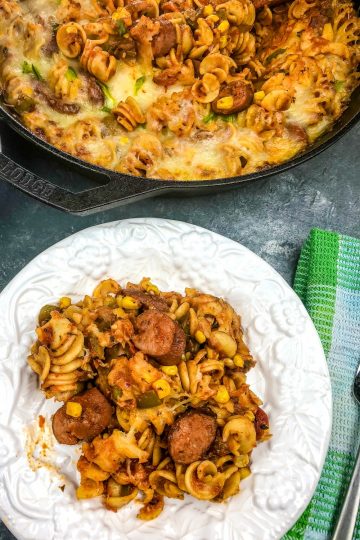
column 191, row 436
column 241, row 93
column 174, row 356
column 165, row 40
column 95, row 417
column 261, row 423
column 94, row 92
column 55, row 103
column 150, row 301
column 160, row 337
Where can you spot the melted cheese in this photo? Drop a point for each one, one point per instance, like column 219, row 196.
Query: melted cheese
column 204, row 152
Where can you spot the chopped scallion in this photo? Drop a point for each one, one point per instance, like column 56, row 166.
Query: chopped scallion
column 138, row 84
column 109, row 99
column 71, row 74
column 274, row 55
column 339, row 85
column 121, row 27
column 209, row 117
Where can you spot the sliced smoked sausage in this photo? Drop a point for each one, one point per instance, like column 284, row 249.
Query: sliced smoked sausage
column 165, row 40
column 95, row 417
column 160, row 337
column 191, row 436
column 94, row 92
column 55, row 103
column 261, row 423
column 242, row 96
column 150, row 301
column 174, row 356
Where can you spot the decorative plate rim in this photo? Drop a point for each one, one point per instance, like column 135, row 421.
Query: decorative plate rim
column 188, row 228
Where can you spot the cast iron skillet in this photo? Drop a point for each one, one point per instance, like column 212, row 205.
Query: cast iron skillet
column 122, row 188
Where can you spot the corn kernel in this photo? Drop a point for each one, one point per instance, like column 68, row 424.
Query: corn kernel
column 27, row 91
column 328, row 32
column 200, row 336
column 128, row 302
column 162, row 388
column 147, row 375
column 119, row 312
column 238, row 360
column 124, row 140
column 208, row 10
column 120, row 13
column 222, row 395
column 64, row 302
column 223, row 42
column 244, row 472
column 223, row 27
column 73, row 409
column 225, row 103
column 258, row 96
column 213, row 18
column 169, row 370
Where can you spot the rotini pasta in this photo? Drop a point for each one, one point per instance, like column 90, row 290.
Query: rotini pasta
column 242, row 84
column 154, row 383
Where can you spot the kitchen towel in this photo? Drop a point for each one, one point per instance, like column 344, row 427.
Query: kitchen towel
column 327, row 280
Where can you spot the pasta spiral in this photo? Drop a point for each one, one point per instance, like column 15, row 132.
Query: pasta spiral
column 239, row 433
column 203, row 481
column 142, row 154
column 238, row 12
column 9, row 9
column 71, row 38
column 99, row 63
column 128, row 114
column 175, row 112
column 59, row 357
column 242, row 46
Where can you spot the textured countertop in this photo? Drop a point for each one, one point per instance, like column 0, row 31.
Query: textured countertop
column 272, row 217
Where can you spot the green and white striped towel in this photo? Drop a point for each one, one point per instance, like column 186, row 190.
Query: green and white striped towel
column 328, row 282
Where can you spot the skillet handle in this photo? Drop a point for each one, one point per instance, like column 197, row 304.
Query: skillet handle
column 119, row 190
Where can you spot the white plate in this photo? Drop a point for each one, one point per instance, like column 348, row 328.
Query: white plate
column 291, row 376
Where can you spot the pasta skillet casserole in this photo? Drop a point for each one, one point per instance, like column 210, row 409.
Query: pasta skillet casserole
column 154, row 386
column 179, row 89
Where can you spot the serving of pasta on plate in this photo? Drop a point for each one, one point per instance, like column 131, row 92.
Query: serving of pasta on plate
column 179, row 89
column 154, row 387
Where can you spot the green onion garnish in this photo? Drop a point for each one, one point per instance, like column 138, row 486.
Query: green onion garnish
column 121, row 27
column 71, row 74
column 109, row 100
column 138, row 84
column 273, row 55
column 209, row 117
column 339, row 85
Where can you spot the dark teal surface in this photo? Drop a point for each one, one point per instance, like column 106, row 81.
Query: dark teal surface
column 272, row 217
